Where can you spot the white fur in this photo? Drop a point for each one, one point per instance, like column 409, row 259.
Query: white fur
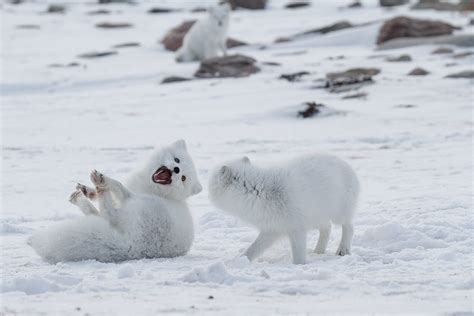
column 152, row 221
column 289, row 200
column 207, row 36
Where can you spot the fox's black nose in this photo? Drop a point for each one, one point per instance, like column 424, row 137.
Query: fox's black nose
column 176, row 170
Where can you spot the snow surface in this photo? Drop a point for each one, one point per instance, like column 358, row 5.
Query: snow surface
column 413, row 243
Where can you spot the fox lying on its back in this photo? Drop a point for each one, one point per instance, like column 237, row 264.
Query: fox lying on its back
column 306, row 193
column 151, row 221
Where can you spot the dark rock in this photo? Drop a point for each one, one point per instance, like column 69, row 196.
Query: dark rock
column 401, row 27
column 418, row 72
column 28, row 27
column 355, row 4
column 463, row 55
column 461, row 40
column 297, row 4
column 442, row 50
column 199, row 9
column 271, row 63
column 392, row 3
column 248, row 4
column 359, row 95
column 174, row 38
column 114, row 1
column 73, row 64
column 227, row 66
column 282, row 40
column 98, row 54
column 210, row 297
column 98, row 12
column 113, row 25
column 463, row 5
column 312, row 108
column 351, row 79
column 471, row 21
column 405, row 106
column 125, row 45
column 341, row 25
column 56, row 8
column 173, row 79
column 296, row 76
column 467, row 74
column 401, row 58
column 158, row 10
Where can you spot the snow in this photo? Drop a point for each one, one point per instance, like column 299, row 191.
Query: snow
column 413, row 243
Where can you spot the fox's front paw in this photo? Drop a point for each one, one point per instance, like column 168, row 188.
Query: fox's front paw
column 343, row 251
column 99, row 180
column 75, row 196
column 88, row 192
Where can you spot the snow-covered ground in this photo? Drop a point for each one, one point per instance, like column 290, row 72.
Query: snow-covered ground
column 413, row 244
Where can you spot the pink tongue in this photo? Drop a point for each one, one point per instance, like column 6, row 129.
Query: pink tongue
column 161, row 176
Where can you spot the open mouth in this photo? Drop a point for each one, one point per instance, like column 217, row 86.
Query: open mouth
column 162, row 176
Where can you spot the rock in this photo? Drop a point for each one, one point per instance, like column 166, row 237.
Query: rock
column 471, row 21
column 98, row 54
column 248, row 4
column 467, row 74
column 158, row 10
column 227, row 66
column 418, row 72
column 297, row 4
column 405, row 106
column 174, row 38
column 199, row 9
column 355, row 4
column 73, row 64
column 231, row 43
column 271, row 63
column 98, row 12
column 113, row 25
column 114, row 1
column 392, row 3
column 28, row 27
column 401, row 58
column 401, row 27
column 312, row 108
column 442, row 50
column 351, row 79
column 296, row 76
column 341, row 25
column 461, row 40
column 173, row 79
column 282, row 39
column 128, row 44
column 359, row 95
column 56, row 8
column 463, row 55
column 463, row 5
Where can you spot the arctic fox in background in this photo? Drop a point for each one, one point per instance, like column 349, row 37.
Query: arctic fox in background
column 151, row 220
column 207, row 36
column 289, row 200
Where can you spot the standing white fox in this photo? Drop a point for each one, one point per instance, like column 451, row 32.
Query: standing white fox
column 207, row 36
column 149, row 218
column 289, row 200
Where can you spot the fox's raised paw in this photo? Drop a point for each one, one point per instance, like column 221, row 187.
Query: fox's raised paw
column 75, row 196
column 88, row 192
column 98, row 179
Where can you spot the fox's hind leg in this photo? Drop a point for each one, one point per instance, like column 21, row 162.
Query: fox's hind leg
column 80, row 200
column 324, row 233
column 106, row 188
column 346, row 240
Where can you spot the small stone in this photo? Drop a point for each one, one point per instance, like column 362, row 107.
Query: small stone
column 297, row 4
column 28, row 27
column 210, row 297
column 56, row 8
column 442, row 50
column 173, row 79
column 312, row 108
column 271, row 63
column 467, row 74
column 463, row 55
column 418, row 72
column 113, row 25
column 158, row 10
column 392, row 3
column 296, row 76
column 73, row 64
column 401, row 58
column 234, row 66
column 232, row 42
column 98, row 12
column 128, row 44
column 355, row 4
column 359, row 95
column 91, row 55
column 248, row 4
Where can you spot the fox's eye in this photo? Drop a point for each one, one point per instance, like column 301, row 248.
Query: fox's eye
column 176, row 160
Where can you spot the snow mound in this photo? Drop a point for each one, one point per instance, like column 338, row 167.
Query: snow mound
column 126, row 271
column 214, row 273
column 30, row 286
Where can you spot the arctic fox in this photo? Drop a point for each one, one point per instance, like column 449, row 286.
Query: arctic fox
column 289, row 200
column 206, row 37
column 150, row 220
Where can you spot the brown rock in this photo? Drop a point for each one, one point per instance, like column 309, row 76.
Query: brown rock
column 463, row 5
column 297, row 4
column 392, row 3
column 351, row 79
column 401, row 27
column 442, row 50
column 312, row 108
column 418, row 72
column 467, row 74
column 248, row 4
column 174, row 38
column 227, row 66
column 113, row 25
column 341, row 25
column 401, row 58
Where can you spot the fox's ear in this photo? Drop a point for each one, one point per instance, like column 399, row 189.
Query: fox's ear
column 181, row 144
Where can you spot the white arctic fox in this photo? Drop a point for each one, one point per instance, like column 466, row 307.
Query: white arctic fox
column 289, row 200
column 151, row 220
column 207, row 36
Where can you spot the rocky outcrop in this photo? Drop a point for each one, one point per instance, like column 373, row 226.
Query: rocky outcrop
column 235, row 66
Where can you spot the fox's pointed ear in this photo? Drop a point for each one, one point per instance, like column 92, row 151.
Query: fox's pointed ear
column 181, row 144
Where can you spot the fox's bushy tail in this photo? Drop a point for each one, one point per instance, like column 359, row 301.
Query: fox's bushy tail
column 89, row 237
